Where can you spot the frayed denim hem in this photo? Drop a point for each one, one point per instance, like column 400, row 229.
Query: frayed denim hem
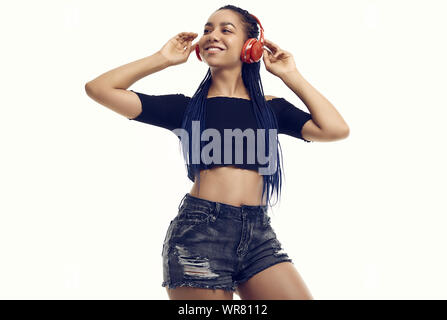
column 246, row 278
column 197, row 285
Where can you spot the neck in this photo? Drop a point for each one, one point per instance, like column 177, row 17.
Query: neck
column 227, row 83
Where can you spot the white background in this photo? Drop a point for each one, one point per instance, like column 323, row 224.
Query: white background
column 87, row 195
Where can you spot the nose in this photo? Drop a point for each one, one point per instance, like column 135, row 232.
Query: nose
column 212, row 36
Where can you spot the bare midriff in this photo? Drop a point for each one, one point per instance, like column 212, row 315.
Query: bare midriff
column 230, row 185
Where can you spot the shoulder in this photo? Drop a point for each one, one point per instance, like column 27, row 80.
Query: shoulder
column 270, row 97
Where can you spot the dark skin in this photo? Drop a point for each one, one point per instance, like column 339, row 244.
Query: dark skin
column 277, row 61
column 228, row 184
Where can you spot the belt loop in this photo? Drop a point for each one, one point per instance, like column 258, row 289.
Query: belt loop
column 181, row 201
column 217, row 210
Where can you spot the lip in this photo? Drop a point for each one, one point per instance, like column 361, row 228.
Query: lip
column 213, row 52
column 206, row 49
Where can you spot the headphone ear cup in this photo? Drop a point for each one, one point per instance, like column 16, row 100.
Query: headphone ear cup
column 256, row 51
column 198, row 52
column 246, row 50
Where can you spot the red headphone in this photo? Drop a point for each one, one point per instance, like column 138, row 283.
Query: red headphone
column 251, row 51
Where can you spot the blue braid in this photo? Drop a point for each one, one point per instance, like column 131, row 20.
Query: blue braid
column 265, row 117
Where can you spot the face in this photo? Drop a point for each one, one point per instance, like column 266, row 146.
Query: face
column 224, row 30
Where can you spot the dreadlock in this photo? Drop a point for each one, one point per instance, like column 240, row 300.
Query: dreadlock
column 265, row 117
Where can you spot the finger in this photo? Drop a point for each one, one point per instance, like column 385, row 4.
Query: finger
column 277, row 52
column 267, row 43
column 269, row 52
column 188, row 35
column 265, row 54
column 179, row 37
column 266, row 59
column 270, row 48
column 193, row 47
column 271, row 45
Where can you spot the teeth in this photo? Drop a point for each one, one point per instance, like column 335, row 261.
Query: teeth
column 214, row 49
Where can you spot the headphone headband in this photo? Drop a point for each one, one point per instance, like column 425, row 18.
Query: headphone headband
column 261, row 37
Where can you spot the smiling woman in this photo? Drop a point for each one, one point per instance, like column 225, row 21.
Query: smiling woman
column 221, row 240
column 232, row 31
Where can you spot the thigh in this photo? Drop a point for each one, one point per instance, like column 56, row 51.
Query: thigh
column 279, row 282
column 198, row 258
column 189, row 293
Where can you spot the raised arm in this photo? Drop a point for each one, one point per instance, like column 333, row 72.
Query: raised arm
column 110, row 88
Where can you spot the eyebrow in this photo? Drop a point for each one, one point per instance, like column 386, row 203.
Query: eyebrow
column 221, row 24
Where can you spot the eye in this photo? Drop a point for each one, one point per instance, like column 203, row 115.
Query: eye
column 223, row 30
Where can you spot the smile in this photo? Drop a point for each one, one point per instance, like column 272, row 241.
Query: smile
column 213, row 50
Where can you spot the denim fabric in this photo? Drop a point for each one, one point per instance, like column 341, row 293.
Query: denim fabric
column 217, row 246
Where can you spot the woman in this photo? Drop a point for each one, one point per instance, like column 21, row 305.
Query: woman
column 221, row 241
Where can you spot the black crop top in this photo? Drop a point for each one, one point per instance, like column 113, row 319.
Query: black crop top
column 166, row 111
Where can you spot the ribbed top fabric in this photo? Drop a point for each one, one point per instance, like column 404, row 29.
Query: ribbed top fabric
column 167, row 111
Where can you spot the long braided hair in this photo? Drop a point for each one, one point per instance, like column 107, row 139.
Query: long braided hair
column 265, row 117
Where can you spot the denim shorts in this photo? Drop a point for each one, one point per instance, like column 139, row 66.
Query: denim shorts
column 215, row 245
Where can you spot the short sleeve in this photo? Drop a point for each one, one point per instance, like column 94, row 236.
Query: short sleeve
column 165, row 111
column 290, row 118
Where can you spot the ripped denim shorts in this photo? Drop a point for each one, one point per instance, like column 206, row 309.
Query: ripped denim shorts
column 215, row 245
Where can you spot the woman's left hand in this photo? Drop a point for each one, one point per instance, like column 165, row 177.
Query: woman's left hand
column 278, row 61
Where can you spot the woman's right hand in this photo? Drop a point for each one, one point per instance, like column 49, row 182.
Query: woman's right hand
column 178, row 48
